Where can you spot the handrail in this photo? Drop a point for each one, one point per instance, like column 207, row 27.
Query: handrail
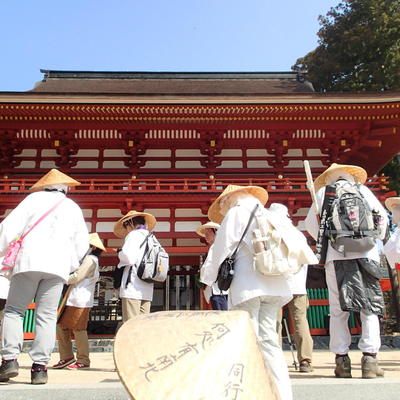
column 144, row 185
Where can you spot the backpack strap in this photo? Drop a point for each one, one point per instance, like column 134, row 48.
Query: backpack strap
column 144, row 254
column 245, row 231
column 322, row 240
column 146, row 238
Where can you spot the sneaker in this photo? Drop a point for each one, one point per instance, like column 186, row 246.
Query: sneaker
column 370, row 368
column 38, row 374
column 8, row 369
column 343, row 366
column 64, row 363
column 77, row 366
column 305, row 366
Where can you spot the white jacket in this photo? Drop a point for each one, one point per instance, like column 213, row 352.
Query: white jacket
column 56, row 244
column 131, row 255
column 312, row 227
column 392, row 249
column 247, row 282
column 82, row 293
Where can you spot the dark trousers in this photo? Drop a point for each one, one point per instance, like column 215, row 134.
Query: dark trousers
column 219, row 302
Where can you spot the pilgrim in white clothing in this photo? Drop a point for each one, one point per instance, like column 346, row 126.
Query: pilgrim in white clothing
column 48, row 254
column 213, row 294
column 392, row 246
column 74, row 318
column 299, row 304
column 4, row 288
column 340, row 337
column 262, row 296
column 135, row 293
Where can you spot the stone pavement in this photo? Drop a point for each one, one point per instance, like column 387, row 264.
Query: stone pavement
column 101, row 382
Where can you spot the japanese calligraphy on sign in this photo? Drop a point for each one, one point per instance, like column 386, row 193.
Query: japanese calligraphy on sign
column 202, row 341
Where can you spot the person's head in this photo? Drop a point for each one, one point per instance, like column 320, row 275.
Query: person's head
column 208, row 231
column 134, row 223
column 393, row 205
column 55, row 181
column 351, row 173
column 134, row 220
column 230, row 197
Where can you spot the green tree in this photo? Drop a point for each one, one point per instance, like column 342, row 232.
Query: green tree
column 392, row 170
column 359, row 48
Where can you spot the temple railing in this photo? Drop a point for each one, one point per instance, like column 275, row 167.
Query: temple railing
column 121, row 186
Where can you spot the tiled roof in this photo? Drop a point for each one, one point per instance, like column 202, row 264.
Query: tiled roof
column 173, row 83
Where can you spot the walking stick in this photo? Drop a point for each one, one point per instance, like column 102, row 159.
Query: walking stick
column 61, row 306
column 321, row 245
column 290, row 343
column 310, row 186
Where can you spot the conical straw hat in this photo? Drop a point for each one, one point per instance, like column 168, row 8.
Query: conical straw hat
column 54, row 177
column 121, row 232
column 359, row 174
column 204, row 355
column 94, row 240
column 208, row 225
column 214, row 213
column 392, row 202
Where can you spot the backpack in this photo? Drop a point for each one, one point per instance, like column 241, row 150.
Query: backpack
column 117, row 277
column 351, row 225
column 154, row 266
column 271, row 253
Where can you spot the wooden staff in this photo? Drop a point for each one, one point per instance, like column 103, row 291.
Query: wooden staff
column 61, row 306
column 311, row 188
column 322, row 242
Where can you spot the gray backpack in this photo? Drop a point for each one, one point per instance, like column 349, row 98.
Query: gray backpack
column 154, row 266
column 352, row 226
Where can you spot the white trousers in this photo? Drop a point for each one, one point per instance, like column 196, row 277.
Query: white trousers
column 340, row 337
column 263, row 312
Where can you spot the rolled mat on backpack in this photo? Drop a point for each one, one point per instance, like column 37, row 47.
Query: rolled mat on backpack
column 204, row 355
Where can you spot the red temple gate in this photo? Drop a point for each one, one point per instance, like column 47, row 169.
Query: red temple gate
column 169, row 144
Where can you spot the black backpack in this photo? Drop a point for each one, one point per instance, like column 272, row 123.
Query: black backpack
column 352, row 225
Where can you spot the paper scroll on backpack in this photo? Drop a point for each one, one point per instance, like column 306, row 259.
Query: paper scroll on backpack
column 197, row 355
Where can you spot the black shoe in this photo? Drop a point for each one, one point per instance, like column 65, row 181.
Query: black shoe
column 306, row 366
column 8, row 369
column 38, row 374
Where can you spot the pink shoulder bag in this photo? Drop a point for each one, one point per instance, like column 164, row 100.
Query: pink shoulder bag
column 15, row 246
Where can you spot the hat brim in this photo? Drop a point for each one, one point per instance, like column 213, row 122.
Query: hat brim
column 214, row 212
column 94, row 240
column 359, row 174
column 54, row 177
column 392, row 202
column 201, row 230
column 120, row 231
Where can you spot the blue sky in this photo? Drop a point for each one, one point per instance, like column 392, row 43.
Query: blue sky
column 153, row 35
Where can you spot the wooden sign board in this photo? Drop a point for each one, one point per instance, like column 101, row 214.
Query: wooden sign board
column 196, row 355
